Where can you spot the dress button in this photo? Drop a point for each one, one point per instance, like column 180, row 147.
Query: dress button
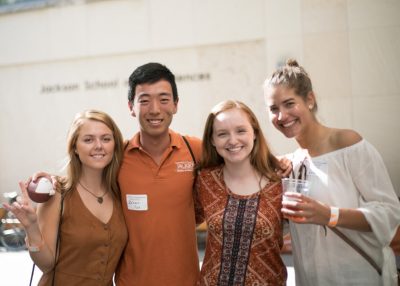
column 105, row 227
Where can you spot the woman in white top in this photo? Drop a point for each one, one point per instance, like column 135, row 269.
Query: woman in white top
column 350, row 191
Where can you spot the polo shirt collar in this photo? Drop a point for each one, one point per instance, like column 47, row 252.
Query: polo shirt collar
column 176, row 141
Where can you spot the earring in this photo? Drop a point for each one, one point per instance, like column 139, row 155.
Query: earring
column 310, row 106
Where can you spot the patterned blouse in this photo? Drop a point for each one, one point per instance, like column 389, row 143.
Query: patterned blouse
column 244, row 233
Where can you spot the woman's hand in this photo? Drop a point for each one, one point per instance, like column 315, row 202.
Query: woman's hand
column 302, row 209
column 285, row 166
column 23, row 208
column 51, row 178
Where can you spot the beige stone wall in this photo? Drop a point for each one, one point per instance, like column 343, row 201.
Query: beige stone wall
column 351, row 50
column 61, row 60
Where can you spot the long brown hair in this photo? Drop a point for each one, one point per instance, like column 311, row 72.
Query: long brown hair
column 261, row 158
column 74, row 165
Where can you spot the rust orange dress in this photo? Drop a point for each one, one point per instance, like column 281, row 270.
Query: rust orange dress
column 89, row 249
column 244, row 233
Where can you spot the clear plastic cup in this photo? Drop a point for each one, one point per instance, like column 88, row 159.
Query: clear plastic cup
column 295, row 186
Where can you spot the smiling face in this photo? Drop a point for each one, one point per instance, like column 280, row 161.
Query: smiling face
column 154, row 106
column 233, row 136
column 94, row 145
column 289, row 112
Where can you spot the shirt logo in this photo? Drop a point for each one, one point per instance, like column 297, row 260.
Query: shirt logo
column 184, row 166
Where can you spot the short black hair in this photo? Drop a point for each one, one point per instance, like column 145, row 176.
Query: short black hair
column 151, row 73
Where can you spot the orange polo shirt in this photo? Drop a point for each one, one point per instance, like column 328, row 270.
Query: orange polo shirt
column 158, row 206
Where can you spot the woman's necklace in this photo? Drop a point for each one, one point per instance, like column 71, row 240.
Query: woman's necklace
column 99, row 198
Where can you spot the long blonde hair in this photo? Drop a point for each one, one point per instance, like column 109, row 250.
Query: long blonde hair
column 74, row 165
column 261, row 158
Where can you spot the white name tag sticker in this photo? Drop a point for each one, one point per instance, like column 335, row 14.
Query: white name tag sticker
column 137, row 202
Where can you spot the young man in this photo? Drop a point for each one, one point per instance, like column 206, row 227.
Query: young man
column 156, row 180
column 156, row 183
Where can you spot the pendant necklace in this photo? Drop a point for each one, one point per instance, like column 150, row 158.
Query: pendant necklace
column 99, row 198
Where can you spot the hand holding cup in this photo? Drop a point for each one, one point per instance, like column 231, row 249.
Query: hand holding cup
column 294, row 191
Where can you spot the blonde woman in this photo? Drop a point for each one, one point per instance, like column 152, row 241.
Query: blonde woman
column 92, row 232
column 350, row 192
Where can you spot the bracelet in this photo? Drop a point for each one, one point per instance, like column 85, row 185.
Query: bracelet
column 33, row 248
column 333, row 220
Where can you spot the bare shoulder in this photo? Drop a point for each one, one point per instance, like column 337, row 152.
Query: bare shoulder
column 342, row 138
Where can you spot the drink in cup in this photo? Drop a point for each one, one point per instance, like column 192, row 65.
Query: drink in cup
column 295, row 186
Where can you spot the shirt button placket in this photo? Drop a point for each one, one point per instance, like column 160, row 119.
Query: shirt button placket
column 105, row 252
